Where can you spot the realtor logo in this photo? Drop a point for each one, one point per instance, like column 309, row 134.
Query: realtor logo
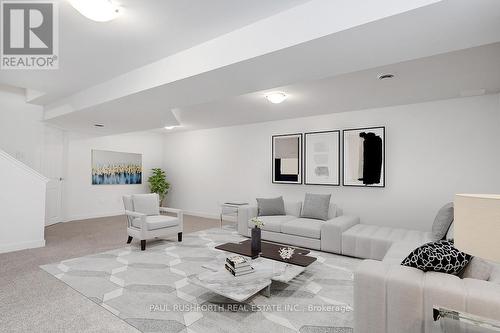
column 29, row 35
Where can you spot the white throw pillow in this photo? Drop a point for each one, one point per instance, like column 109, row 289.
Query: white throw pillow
column 148, row 204
column 449, row 234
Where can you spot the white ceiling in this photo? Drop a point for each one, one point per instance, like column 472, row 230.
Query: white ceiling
column 92, row 52
column 449, row 75
column 333, row 73
column 437, row 49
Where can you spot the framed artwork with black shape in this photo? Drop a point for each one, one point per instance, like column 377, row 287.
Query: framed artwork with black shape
column 364, row 157
column 322, row 158
column 287, row 159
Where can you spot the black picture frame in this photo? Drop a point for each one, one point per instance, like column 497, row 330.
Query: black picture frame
column 338, row 158
column 384, row 179
column 300, row 175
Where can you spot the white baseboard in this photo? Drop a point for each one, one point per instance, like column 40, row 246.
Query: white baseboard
column 21, row 246
column 202, row 214
column 92, row 216
column 95, row 216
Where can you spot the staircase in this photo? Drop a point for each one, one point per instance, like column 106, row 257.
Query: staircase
column 22, row 205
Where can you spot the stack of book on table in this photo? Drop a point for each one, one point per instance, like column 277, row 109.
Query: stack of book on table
column 238, row 265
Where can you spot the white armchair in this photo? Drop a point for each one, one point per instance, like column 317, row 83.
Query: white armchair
column 144, row 219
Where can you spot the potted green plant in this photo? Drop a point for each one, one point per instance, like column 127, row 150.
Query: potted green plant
column 158, row 183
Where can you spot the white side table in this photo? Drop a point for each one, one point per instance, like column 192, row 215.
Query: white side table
column 230, row 209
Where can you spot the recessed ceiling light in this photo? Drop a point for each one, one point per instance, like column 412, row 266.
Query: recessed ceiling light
column 98, row 125
column 386, row 76
column 96, row 10
column 276, row 97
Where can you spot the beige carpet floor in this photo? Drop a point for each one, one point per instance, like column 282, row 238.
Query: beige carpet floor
column 31, row 300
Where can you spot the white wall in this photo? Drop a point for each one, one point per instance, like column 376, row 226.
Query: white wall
column 433, row 150
column 83, row 200
column 21, row 127
column 22, row 205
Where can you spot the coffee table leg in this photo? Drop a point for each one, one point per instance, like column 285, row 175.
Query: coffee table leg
column 266, row 291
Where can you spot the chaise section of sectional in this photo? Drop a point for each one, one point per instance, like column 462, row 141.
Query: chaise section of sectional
column 332, row 230
column 391, row 298
column 373, row 242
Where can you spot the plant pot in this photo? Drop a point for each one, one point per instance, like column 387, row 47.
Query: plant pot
column 256, row 246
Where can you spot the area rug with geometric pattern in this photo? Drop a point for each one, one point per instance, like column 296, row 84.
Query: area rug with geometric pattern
column 150, row 289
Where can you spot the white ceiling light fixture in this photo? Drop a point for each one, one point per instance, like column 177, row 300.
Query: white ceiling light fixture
column 171, row 127
column 276, row 97
column 97, row 10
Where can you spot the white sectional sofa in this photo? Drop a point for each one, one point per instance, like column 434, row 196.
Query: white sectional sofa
column 388, row 297
column 373, row 242
column 294, row 230
column 340, row 234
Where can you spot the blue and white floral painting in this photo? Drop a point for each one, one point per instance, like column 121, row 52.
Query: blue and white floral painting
column 116, row 168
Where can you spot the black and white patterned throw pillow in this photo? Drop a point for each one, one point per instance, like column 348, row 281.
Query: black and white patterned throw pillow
column 439, row 256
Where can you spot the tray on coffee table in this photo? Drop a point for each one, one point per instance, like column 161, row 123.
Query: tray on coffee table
column 269, row 251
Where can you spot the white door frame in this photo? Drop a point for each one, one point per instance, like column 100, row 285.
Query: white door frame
column 54, row 167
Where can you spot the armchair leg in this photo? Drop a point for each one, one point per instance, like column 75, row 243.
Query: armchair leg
column 129, row 239
column 143, row 245
column 179, row 236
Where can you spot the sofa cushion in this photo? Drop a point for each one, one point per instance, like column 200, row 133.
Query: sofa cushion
column 332, row 211
column 272, row 206
column 495, row 273
column 478, row 269
column 372, row 241
column 157, row 222
column 316, row 206
column 450, row 235
column 303, row 227
column 148, row 204
column 273, row 223
column 293, row 208
column 442, row 221
column 439, row 256
column 400, row 250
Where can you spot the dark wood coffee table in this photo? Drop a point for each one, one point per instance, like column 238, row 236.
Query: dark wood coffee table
column 269, row 251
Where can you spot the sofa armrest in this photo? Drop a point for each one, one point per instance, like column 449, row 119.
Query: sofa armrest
column 388, row 298
column 171, row 210
column 370, row 297
column 245, row 213
column 394, row 298
column 135, row 215
column 178, row 212
column 331, row 232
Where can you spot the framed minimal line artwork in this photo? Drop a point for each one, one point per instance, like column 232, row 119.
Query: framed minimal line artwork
column 322, row 158
column 364, row 157
column 287, row 159
column 116, row 168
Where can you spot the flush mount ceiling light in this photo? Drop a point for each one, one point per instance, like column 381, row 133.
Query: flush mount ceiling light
column 96, row 10
column 385, row 76
column 171, row 127
column 276, row 97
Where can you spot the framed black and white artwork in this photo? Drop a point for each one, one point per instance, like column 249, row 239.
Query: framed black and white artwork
column 322, row 158
column 364, row 157
column 287, row 159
